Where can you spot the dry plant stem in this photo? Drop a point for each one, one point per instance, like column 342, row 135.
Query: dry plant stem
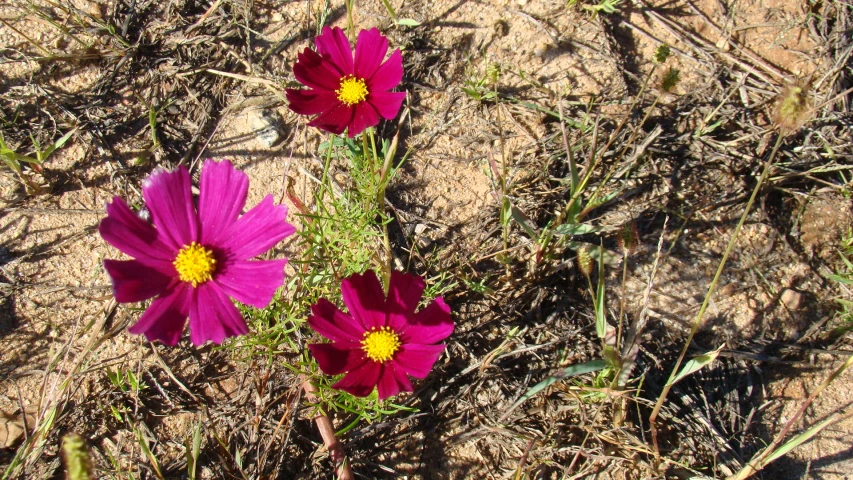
column 327, row 431
column 711, row 289
column 759, row 461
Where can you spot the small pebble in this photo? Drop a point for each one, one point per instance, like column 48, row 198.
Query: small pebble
column 792, row 299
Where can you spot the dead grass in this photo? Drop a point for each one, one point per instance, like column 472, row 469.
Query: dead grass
column 151, row 83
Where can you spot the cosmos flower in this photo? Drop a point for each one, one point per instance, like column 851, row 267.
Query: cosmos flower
column 381, row 340
column 192, row 260
column 346, row 93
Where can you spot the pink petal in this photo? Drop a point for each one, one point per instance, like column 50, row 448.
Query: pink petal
column 393, row 381
column 133, row 281
column 364, row 116
column 335, row 120
column 388, row 75
column 387, row 104
column 334, row 359
column 370, row 49
column 256, row 231
column 253, row 282
column 334, row 324
column 334, row 46
column 213, row 317
column 222, row 197
column 360, row 381
column 169, row 198
column 314, row 71
column 430, row 325
column 132, row 235
column 417, row 360
column 165, row 317
column 404, row 295
column 311, row 102
column 365, row 299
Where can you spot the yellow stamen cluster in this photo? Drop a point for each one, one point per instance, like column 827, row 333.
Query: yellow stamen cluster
column 195, row 264
column 380, row 344
column 352, row 90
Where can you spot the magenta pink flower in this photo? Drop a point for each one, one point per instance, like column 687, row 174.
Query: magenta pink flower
column 192, row 259
column 382, row 340
column 347, row 93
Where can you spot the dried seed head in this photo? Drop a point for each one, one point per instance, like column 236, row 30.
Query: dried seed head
column 493, row 72
column 669, row 80
column 585, row 261
column 792, row 108
column 629, row 238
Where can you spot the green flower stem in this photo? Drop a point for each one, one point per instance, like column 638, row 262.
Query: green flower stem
column 711, row 289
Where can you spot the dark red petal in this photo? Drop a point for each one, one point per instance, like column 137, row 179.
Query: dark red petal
column 165, row 317
column 133, row 281
column 361, row 381
column 404, row 294
column 253, row 282
column 387, row 104
column 169, row 198
column 334, row 359
column 335, row 120
column 365, row 116
column 314, row 71
column 334, row 46
column 365, row 299
column 334, row 324
column 389, row 74
column 370, row 49
column 311, row 102
column 132, row 235
column 393, row 381
column 213, row 317
column 430, row 325
column 417, row 360
column 222, row 196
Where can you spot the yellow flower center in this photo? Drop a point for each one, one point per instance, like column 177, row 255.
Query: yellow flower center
column 380, row 344
column 195, row 264
column 352, row 90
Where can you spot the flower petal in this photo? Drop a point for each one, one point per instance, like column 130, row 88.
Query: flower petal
column 335, row 120
column 169, row 198
column 387, row 104
column 213, row 317
column 404, row 294
column 256, row 231
column 365, row 300
column 370, row 49
column 393, row 381
column 123, row 229
column 334, row 46
column 334, row 359
column 360, row 381
column 417, row 360
column 364, row 116
column 430, row 325
column 314, row 71
column 334, row 324
column 222, row 197
column 253, row 282
column 311, row 102
column 165, row 317
column 388, row 75
column 133, row 281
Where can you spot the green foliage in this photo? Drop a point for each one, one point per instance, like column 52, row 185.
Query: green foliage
column 605, row 6
column 662, row 53
column 13, row 159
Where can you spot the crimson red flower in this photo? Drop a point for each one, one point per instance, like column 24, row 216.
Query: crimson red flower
column 381, row 340
column 346, row 93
